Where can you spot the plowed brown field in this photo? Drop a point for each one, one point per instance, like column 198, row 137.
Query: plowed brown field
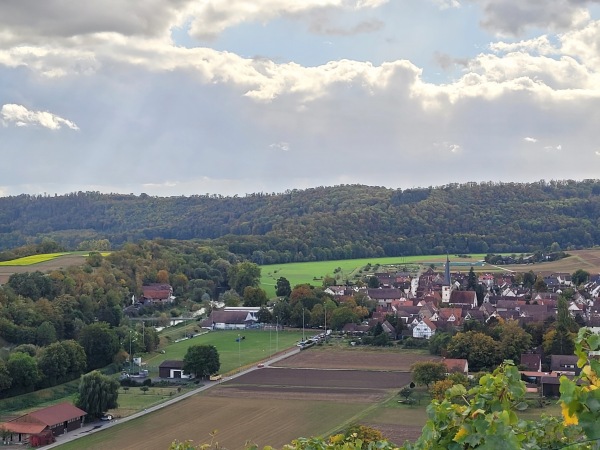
column 274, row 405
column 356, row 358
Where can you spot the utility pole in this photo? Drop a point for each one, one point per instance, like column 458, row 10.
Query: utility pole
column 325, row 309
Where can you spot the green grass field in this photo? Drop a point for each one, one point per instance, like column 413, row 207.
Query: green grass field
column 257, row 346
column 313, row 272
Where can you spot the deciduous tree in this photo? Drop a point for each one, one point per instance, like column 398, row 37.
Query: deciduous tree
column 5, row 379
column 479, row 349
column 201, row 360
column 23, row 370
column 97, row 394
column 426, row 373
column 100, row 344
column 283, row 288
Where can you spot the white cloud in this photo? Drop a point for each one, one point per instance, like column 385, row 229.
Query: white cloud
column 447, row 4
column 222, row 122
column 285, row 146
column 18, row 115
column 553, row 148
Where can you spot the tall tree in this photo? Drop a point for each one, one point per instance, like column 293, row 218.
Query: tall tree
column 254, row 296
column 514, row 340
column 264, row 315
column 23, row 370
column 45, row 334
column 242, row 275
column 480, row 350
column 5, row 379
column 579, row 277
column 426, row 373
column 201, row 360
column 97, row 394
column 472, row 281
column 76, row 360
column 283, row 288
column 53, row 363
column 100, row 344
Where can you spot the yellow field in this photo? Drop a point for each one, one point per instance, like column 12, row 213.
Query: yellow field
column 30, row 260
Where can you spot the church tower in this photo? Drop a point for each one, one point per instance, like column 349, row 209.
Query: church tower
column 447, row 287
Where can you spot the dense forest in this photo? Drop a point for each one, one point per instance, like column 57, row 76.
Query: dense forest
column 348, row 221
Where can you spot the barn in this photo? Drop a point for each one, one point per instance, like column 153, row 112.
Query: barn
column 172, row 369
column 39, row 427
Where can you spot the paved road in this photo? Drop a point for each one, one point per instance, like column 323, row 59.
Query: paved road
column 97, row 426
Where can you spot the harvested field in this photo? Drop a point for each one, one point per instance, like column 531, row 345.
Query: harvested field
column 356, row 358
column 365, row 395
column 262, row 421
column 333, row 379
column 588, row 260
column 267, row 406
column 397, row 434
column 314, row 384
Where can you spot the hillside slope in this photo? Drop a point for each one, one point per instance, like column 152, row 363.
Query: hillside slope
column 347, row 221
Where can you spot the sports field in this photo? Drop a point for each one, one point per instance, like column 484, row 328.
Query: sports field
column 233, row 354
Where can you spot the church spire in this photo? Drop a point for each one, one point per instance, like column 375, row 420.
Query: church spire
column 447, row 271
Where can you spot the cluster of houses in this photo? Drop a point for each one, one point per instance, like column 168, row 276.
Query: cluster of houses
column 433, row 302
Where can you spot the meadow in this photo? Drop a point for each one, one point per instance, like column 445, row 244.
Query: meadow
column 347, row 269
column 257, row 346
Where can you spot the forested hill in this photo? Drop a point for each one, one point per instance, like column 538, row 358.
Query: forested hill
column 338, row 222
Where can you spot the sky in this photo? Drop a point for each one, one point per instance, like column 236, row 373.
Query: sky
column 232, row 97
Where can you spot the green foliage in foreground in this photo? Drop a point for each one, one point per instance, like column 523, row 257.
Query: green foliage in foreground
column 486, row 416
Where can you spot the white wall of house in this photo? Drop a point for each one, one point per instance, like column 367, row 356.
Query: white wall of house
column 422, row 330
column 172, row 374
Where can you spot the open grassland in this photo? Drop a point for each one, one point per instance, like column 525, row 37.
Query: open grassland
column 348, row 269
column 257, row 346
column 313, row 272
column 133, row 399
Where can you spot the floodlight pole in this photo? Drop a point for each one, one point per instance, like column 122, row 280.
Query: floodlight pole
column 302, row 325
column 325, row 310
column 130, row 355
column 239, row 350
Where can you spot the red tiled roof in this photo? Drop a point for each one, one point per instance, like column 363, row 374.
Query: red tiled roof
column 24, row 427
column 57, row 413
column 455, row 364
